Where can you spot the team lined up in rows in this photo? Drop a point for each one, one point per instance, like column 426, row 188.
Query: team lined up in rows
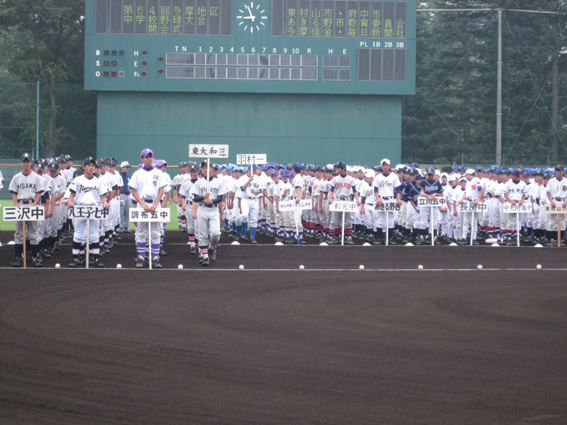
column 253, row 195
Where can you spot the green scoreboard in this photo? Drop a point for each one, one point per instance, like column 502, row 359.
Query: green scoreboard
column 308, row 80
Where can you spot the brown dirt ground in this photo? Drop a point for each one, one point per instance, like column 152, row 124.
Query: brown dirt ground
column 272, row 344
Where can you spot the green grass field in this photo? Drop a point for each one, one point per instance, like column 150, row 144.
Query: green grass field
column 10, row 225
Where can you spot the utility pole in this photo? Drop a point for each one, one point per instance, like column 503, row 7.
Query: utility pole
column 555, row 110
column 499, row 94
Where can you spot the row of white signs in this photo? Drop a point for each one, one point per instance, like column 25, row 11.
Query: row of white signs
column 163, row 214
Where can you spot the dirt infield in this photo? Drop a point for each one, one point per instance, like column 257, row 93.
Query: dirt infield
column 273, row 344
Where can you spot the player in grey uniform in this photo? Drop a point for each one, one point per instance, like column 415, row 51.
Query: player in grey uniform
column 26, row 188
column 186, row 200
column 207, row 195
column 341, row 188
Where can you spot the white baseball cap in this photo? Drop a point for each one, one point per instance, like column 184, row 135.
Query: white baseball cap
column 369, row 173
column 385, row 160
column 125, row 164
column 469, row 171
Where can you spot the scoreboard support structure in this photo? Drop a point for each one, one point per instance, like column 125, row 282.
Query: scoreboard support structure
column 308, row 80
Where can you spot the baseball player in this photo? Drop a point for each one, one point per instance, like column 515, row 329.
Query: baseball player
column 207, row 195
column 147, row 186
column 186, row 199
column 26, row 188
column 557, row 196
column 515, row 192
column 252, row 190
column 474, row 192
column 87, row 190
column 125, row 197
column 430, row 188
column 342, row 188
column 385, row 186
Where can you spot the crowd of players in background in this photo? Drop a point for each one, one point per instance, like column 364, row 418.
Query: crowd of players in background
column 248, row 200
column 254, row 194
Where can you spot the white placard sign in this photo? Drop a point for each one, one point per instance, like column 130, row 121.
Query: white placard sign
column 160, row 215
column 471, row 207
column 508, row 208
column 208, row 151
column 388, row 206
column 304, row 204
column 557, row 210
column 251, row 158
column 92, row 212
column 439, row 201
column 343, row 206
column 24, row 213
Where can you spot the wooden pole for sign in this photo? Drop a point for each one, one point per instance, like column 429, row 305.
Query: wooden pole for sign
column 88, row 244
column 387, row 228
column 558, row 230
column 431, row 226
column 150, row 244
column 297, row 217
column 472, row 224
column 343, row 233
column 25, row 250
column 518, row 229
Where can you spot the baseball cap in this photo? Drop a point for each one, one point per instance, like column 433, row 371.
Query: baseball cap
column 452, row 178
column 369, row 173
column 159, row 163
column 125, row 164
column 385, row 160
column 479, row 168
column 146, row 152
column 52, row 165
column 463, row 179
column 297, row 167
column 340, row 164
column 88, row 160
column 444, row 175
column 469, row 171
column 559, row 168
column 273, row 173
column 430, row 170
column 26, row 156
column 68, row 158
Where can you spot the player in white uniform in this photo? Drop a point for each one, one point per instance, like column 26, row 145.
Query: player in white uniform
column 515, row 192
column 474, row 192
column 87, row 190
column 367, row 204
column 147, row 186
column 251, row 192
column 557, row 196
column 385, row 185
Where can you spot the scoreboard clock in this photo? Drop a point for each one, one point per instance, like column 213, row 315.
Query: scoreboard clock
column 251, row 46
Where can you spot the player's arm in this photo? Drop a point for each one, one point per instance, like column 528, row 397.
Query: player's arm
column 480, row 197
column 158, row 199
column 37, row 198
column 331, row 194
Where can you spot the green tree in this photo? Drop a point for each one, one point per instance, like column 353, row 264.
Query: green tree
column 46, row 40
